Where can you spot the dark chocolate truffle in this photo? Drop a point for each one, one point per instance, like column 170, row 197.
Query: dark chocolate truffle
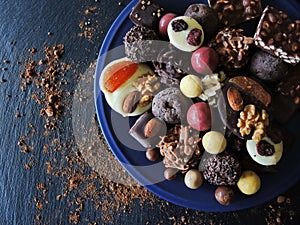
column 222, row 169
column 206, row 17
column 268, row 67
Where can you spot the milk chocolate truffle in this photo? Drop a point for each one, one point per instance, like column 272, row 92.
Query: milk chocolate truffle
column 224, row 195
column 205, row 16
column 268, row 67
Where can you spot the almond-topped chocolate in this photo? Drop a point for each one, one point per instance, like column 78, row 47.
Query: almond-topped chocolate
column 244, row 107
column 232, row 47
column 253, row 88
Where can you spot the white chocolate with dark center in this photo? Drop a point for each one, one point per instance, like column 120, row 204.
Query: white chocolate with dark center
column 185, row 38
column 265, row 160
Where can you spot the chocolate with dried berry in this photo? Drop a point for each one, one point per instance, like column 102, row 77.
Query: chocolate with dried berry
column 206, row 16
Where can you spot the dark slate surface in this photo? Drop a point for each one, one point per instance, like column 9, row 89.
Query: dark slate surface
column 24, row 25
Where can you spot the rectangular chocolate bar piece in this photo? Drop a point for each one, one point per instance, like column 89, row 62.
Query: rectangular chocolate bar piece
column 233, row 12
column 278, row 35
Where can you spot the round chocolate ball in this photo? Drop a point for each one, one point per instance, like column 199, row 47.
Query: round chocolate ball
column 170, row 173
column 152, row 154
column 191, row 86
column 205, row 60
column 224, row 195
column 193, row 179
column 249, row 183
column 164, row 22
column 206, row 16
column 199, row 116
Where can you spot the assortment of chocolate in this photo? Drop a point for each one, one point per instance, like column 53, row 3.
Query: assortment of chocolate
column 178, row 64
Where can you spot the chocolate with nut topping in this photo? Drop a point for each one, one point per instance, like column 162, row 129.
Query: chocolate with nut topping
column 146, row 13
column 147, row 130
column 180, row 148
column 232, row 47
column 233, row 12
column 279, row 35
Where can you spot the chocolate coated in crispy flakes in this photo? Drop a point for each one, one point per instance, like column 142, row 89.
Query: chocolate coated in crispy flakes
column 180, row 148
column 138, row 43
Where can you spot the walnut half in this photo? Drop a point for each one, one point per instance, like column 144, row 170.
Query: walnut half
column 251, row 119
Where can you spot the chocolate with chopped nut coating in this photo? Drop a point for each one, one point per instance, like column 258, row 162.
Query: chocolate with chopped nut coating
column 232, row 47
column 233, row 12
column 278, row 35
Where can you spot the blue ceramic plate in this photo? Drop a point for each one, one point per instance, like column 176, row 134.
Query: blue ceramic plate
column 132, row 156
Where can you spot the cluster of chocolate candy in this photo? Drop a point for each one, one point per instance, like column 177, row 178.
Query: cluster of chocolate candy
column 188, row 99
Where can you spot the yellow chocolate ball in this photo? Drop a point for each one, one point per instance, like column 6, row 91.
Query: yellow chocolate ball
column 249, row 182
column 214, row 142
column 191, row 86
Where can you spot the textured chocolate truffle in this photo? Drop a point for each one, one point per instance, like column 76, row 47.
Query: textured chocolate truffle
column 222, row 169
column 138, row 41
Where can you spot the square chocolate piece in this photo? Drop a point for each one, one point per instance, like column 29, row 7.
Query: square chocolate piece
column 146, row 13
column 233, row 12
column 278, row 35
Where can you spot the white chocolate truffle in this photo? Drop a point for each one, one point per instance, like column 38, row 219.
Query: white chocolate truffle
column 191, row 86
column 214, row 142
column 185, row 33
column 249, row 182
column 266, row 160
